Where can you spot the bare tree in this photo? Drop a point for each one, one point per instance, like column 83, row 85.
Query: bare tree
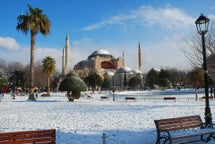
column 193, row 47
column 2, row 65
column 13, row 66
column 195, row 78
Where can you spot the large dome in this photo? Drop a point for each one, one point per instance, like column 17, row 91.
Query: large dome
column 101, row 53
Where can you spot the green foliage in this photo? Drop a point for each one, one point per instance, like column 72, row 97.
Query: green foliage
column 177, row 78
column 3, row 81
column 151, row 78
column 134, row 82
column 49, row 65
column 17, row 78
column 106, row 84
column 164, row 82
column 72, row 82
column 195, row 77
column 93, row 80
column 34, row 21
column 76, row 94
column 163, row 78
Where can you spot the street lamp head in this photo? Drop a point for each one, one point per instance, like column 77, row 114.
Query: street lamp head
column 202, row 24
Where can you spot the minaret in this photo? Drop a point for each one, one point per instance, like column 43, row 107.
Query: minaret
column 123, row 58
column 63, row 61
column 139, row 58
column 66, row 57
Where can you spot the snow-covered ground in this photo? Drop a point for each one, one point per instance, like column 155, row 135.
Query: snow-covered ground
column 85, row 121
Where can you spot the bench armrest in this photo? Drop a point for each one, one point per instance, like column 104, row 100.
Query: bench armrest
column 163, row 137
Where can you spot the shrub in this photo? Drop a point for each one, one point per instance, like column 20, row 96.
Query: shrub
column 72, row 82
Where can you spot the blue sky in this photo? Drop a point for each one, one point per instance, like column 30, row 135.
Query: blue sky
column 114, row 25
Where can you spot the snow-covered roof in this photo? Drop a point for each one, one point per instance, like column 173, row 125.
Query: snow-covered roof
column 110, row 73
column 136, row 71
column 124, row 70
column 101, row 53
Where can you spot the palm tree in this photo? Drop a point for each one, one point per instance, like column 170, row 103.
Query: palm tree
column 49, row 68
column 34, row 21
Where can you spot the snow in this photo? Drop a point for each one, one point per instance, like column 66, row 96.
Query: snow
column 87, row 119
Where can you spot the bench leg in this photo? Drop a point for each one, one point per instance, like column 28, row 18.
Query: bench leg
column 164, row 140
column 208, row 137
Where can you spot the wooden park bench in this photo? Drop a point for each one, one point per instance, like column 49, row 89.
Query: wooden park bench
column 28, row 137
column 210, row 97
column 169, row 98
column 130, row 98
column 183, row 130
column 104, row 97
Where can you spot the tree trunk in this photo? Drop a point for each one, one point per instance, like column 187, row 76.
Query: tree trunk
column 196, row 87
column 48, row 82
column 31, row 94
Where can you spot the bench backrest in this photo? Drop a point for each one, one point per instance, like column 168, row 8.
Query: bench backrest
column 35, row 136
column 178, row 123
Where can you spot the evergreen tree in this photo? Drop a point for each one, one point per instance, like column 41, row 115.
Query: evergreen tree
column 151, row 78
column 134, row 82
column 106, row 84
column 73, row 83
column 93, row 80
column 163, row 78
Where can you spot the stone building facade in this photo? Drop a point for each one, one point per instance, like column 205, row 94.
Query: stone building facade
column 104, row 64
column 100, row 62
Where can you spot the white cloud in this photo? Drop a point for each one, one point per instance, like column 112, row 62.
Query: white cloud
column 163, row 54
column 23, row 55
column 167, row 17
column 41, row 53
column 211, row 17
column 8, row 43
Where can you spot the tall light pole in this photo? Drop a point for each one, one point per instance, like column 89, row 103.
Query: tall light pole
column 202, row 27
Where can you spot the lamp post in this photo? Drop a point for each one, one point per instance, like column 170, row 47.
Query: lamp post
column 202, row 27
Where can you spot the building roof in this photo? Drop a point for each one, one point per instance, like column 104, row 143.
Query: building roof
column 136, row 71
column 124, row 70
column 101, row 53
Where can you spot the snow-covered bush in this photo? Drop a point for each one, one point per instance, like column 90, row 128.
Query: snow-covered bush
column 72, row 82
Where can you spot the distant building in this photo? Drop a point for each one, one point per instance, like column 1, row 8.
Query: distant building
column 104, row 64
column 123, row 75
column 66, row 57
column 100, row 62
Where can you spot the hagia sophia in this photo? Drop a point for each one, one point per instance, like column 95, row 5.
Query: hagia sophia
column 104, row 64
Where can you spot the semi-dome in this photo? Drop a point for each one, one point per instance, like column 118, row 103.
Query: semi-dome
column 124, row 70
column 81, row 65
column 101, row 53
